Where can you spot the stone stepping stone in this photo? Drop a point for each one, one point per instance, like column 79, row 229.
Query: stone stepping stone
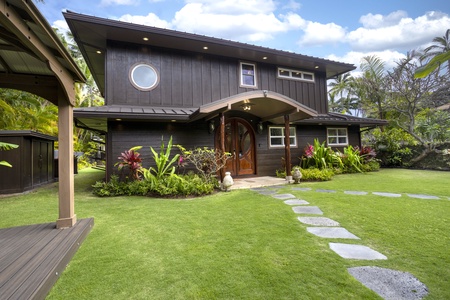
column 355, row 193
column 318, row 221
column 267, row 192
column 313, row 210
column 387, row 194
column 332, row 232
column 325, row 191
column 284, row 196
column 356, row 251
column 390, row 284
column 428, row 197
column 301, row 189
column 296, row 202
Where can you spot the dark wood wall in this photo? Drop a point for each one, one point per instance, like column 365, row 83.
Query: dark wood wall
column 32, row 164
column 124, row 135
column 193, row 79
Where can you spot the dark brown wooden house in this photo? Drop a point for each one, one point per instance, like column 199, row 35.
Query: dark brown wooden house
column 260, row 104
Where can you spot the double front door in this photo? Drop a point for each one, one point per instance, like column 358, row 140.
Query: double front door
column 240, row 142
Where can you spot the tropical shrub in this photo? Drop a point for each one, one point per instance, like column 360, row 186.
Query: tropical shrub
column 351, row 159
column 131, row 159
column 7, row 146
column 314, row 174
column 320, row 156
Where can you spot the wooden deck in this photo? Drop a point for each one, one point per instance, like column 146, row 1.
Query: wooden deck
column 33, row 257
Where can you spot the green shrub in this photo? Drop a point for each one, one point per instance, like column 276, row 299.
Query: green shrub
column 370, row 166
column 315, row 174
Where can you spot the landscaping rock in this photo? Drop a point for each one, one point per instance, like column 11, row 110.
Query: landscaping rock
column 296, row 202
column 390, row 284
column 313, row 210
column 356, row 251
column 318, row 221
column 332, row 232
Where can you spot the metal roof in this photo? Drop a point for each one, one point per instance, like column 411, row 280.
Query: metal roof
column 92, row 33
column 31, row 52
column 341, row 119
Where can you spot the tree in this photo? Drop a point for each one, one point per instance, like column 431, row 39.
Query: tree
column 7, row 146
column 411, row 102
column 438, row 53
column 344, row 88
column 370, row 87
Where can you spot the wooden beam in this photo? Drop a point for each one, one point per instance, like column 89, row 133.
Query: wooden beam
column 222, row 141
column 12, row 21
column 287, row 147
column 67, row 217
column 43, row 86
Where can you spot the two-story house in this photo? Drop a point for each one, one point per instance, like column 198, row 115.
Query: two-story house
column 257, row 103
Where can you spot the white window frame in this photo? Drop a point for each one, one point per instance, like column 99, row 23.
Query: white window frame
column 241, row 77
column 282, row 136
column 137, row 85
column 297, row 72
column 337, row 136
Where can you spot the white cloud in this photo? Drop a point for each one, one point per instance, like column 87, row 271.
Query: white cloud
column 379, row 21
column 235, row 7
column 292, row 5
column 319, row 34
column 249, row 25
column 354, row 57
column 150, row 20
column 118, row 2
column 396, row 31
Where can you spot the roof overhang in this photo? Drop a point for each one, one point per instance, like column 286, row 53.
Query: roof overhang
column 32, row 58
column 266, row 105
column 93, row 33
column 336, row 119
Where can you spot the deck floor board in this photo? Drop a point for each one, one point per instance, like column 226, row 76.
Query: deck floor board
column 33, row 257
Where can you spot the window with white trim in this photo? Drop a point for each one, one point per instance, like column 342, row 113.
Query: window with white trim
column 337, row 136
column 295, row 74
column 248, row 75
column 276, row 136
column 144, row 76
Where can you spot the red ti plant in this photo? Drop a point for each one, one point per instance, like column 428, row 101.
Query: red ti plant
column 131, row 159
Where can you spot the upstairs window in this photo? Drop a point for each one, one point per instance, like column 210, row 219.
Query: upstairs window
column 276, row 136
column 295, row 74
column 144, row 77
column 248, row 75
column 337, row 136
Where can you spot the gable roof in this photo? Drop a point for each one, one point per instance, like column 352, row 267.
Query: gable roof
column 32, row 57
column 92, row 33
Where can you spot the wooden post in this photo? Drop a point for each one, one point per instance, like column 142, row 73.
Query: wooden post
column 67, row 217
column 222, row 141
column 287, row 148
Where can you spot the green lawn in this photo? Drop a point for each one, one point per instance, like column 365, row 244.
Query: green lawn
column 242, row 245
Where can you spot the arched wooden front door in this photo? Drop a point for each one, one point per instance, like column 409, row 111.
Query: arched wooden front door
column 240, row 142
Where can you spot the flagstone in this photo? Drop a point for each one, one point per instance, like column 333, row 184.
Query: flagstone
column 332, row 232
column 314, row 210
column 318, row 221
column 296, row 202
column 351, row 251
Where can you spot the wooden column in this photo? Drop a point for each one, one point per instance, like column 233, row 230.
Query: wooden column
column 287, row 146
column 67, row 217
column 222, row 140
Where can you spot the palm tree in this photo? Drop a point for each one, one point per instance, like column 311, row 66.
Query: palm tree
column 344, row 88
column 438, row 53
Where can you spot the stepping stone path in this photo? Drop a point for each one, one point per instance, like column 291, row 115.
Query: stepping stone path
column 332, row 232
column 296, row 202
column 351, row 251
column 284, row 196
column 313, row 210
column 387, row 194
column 428, row 197
column 318, row 221
column 355, row 193
column 389, row 284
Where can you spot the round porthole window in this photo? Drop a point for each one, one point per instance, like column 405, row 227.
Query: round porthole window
column 144, row 77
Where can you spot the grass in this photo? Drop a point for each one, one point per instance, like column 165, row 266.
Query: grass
column 242, row 245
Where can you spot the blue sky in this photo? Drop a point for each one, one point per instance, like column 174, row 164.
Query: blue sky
column 338, row 30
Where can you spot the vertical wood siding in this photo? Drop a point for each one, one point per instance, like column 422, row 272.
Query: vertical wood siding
column 191, row 80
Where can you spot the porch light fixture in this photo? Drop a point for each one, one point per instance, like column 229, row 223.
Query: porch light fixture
column 259, row 127
column 211, row 127
column 247, row 106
